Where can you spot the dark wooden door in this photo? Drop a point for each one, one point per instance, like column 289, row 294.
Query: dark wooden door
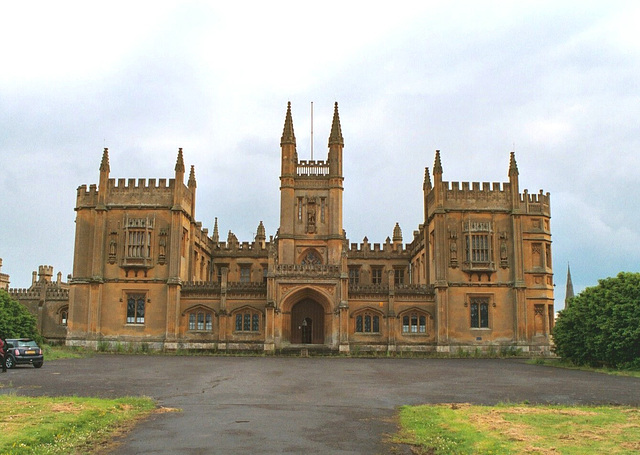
column 307, row 323
column 307, row 331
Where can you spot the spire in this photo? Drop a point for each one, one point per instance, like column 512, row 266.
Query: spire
column 104, row 164
column 437, row 166
column 513, row 166
column 288, row 137
column 216, row 236
column 397, row 233
column 179, row 162
column 192, row 178
column 569, row 292
column 336, row 130
column 426, row 185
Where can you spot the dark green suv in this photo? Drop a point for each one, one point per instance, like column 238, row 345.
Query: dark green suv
column 23, row 351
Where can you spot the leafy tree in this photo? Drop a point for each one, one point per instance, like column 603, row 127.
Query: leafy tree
column 15, row 319
column 601, row 326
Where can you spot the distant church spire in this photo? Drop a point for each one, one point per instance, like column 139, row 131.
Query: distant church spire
column 104, row 164
column 569, row 292
column 336, row 129
column 288, row 137
column 216, row 236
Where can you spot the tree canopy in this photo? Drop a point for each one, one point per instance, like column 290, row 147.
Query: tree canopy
column 601, row 326
column 15, row 319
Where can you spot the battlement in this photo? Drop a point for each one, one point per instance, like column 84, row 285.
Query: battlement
column 24, row 294
column 476, row 190
column 141, row 185
column 536, row 203
column 312, row 168
column 129, row 191
column 240, row 248
column 384, row 248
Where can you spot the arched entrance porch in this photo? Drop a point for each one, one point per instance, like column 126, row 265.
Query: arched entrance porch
column 307, row 322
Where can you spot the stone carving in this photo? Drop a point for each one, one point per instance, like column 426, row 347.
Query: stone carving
column 504, row 256
column 113, row 247
column 453, row 248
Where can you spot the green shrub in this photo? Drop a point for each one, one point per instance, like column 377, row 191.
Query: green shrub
column 15, row 319
column 601, row 326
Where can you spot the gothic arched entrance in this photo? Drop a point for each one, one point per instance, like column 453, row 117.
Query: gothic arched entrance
column 307, row 322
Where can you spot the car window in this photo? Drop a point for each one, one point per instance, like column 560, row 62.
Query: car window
column 26, row 344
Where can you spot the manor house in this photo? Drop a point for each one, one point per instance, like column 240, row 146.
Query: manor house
column 476, row 274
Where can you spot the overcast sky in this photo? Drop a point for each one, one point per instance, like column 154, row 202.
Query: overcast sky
column 558, row 82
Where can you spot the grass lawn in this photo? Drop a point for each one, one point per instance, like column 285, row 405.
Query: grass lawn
column 560, row 363
column 518, row 429
column 65, row 425
column 63, row 352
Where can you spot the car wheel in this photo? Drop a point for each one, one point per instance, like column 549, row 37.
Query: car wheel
column 37, row 364
column 10, row 363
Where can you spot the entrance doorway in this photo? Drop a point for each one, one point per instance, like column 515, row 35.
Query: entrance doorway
column 307, row 323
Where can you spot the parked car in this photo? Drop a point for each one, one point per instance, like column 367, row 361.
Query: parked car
column 23, row 351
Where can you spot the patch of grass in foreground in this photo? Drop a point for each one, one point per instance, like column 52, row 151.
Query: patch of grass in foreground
column 52, row 352
column 63, row 425
column 516, row 429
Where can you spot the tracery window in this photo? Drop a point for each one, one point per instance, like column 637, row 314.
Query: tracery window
column 137, row 242
column 414, row 323
column 135, row 308
column 478, row 235
column 311, row 258
column 247, row 321
column 367, row 322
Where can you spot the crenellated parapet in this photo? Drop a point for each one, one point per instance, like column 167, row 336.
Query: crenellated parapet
column 539, row 203
column 385, row 250
column 57, row 294
column 87, row 197
column 240, row 249
column 24, row 294
column 202, row 237
column 312, row 168
column 476, row 195
column 130, row 192
column 134, row 192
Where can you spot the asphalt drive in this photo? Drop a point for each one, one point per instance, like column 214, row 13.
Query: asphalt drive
column 316, row 405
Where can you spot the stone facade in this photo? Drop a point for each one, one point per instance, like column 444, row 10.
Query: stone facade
column 477, row 273
column 48, row 300
column 4, row 278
